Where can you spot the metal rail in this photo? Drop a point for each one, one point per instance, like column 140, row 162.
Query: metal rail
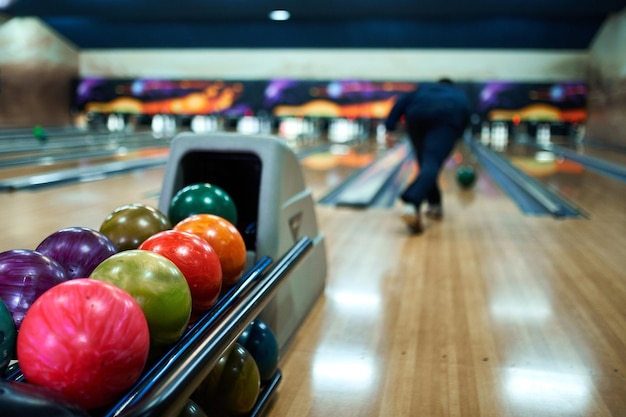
column 165, row 387
column 164, row 390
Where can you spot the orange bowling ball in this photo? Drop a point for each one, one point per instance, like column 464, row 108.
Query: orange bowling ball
column 224, row 238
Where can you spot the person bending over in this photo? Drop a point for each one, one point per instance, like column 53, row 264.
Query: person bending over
column 435, row 117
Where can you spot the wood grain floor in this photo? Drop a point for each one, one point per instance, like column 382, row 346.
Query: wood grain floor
column 488, row 313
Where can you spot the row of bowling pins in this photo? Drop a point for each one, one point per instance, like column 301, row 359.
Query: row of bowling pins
column 340, row 130
column 162, row 125
column 497, row 134
column 347, row 130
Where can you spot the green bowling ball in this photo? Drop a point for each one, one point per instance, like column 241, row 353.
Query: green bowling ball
column 232, row 386
column 466, row 176
column 203, row 198
column 129, row 225
column 159, row 288
column 8, row 336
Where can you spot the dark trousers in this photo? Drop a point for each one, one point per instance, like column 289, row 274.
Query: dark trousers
column 432, row 147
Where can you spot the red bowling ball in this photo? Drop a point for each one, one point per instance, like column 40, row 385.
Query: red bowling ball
column 86, row 339
column 198, row 262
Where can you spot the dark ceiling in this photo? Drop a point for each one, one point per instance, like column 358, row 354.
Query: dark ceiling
column 465, row 24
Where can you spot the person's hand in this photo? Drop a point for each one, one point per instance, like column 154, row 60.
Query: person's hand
column 391, row 138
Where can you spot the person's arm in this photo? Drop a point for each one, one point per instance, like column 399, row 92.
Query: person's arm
column 397, row 111
column 395, row 114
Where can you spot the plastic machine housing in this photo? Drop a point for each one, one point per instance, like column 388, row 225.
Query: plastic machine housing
column 275, row 208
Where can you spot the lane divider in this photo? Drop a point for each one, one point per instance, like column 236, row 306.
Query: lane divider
column 606, row 168
column 365, row 186
column 530, row 195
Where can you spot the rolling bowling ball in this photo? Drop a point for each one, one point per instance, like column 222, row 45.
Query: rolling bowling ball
column 224, row 237
column 232, row 386
column 8, row 337
column 466, row 176
column 129, row 225
column 198, row 262
column 157, row 285
column 24, row 275
column 86, row 339
column 260, row 341
column 202, row 199
column 78, row 249
column 40, row 134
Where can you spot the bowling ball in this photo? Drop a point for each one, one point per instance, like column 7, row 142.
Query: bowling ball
column 129, row 225
column 224, row 237
column 157, row 285
column 40, row 134
column 19, row 399
column 8, row 337
column 260, row 341
column 232, row 386
column 202, row 199
column 198, row 262
column 191, row 409
column 24, row 275
column 86, row 339
column 78, row 249
column 466, row 176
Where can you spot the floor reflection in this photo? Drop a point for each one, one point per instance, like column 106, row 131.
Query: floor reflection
column 345, row 370
column 514, row 308
column 537, row 391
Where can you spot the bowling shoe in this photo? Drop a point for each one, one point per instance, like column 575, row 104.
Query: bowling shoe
column 412, row 218
column 434, row 212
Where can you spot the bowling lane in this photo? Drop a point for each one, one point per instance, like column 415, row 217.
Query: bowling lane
column 593, row 193
column 86, row 158
column 488, row 313
column 28, row 151
column 588, row 147
column 28, row 217
column 330, row 169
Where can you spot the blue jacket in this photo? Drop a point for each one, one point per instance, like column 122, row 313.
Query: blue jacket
column 429, row 105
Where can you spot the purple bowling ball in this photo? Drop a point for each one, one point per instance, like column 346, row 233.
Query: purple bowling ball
column 24, row 275
column 78, row 249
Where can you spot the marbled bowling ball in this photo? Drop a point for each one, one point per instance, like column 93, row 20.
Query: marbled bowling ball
column 8, row 337
column 224, row 238
column 130, row 225
column 232, row 386
column 202, row 198
column 158, row 286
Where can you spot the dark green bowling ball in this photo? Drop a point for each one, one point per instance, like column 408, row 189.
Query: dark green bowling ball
column 8, row 336
column 232, row 386
column 191, row 409
column 466, row 176
column 202, row 198
column 261, row 342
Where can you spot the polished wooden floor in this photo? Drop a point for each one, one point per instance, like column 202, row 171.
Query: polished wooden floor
column 488, row 313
